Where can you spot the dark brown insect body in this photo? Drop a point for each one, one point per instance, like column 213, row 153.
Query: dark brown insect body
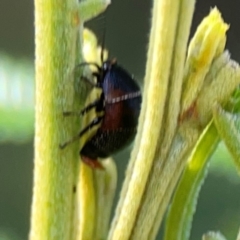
column 120, row 101
column 117, row 111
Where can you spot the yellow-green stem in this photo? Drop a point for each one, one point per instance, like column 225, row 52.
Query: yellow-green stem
column 155, row 91
column 55, row 170
column 58, row 51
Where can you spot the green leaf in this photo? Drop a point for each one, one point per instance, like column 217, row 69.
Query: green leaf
column 228, row 126
column 181, row 212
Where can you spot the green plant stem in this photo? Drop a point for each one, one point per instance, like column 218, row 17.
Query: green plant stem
column 228, row 125
column 58, row 50
column 155, row 92
column 184, row 202
column 164, row 179
column 90, row 8
column 87, row 204
column 167, row 166
column 105, row 186
column 146, row 219
column 55, row 170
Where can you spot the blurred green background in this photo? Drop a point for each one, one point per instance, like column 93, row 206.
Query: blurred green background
column 127, row 25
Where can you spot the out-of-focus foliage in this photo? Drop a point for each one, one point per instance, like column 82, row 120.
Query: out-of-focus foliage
column 6, row 234
column 16, row 99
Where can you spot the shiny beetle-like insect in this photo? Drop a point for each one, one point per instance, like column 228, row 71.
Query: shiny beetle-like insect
column 117, row 110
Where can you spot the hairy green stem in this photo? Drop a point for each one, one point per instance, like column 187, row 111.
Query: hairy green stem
column 58, row 51
column 228, row 127
column 155, row 91
column 184, row 202
column 165, row 139
column 149, row 208
column 90, row 8
column 55, row 170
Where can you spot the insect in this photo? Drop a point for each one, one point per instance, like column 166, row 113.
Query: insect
column 116, row 113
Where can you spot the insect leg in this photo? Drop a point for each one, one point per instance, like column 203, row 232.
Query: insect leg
column 93, row 163
column 83, row 111
column 95, row 121
column 98, row 104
